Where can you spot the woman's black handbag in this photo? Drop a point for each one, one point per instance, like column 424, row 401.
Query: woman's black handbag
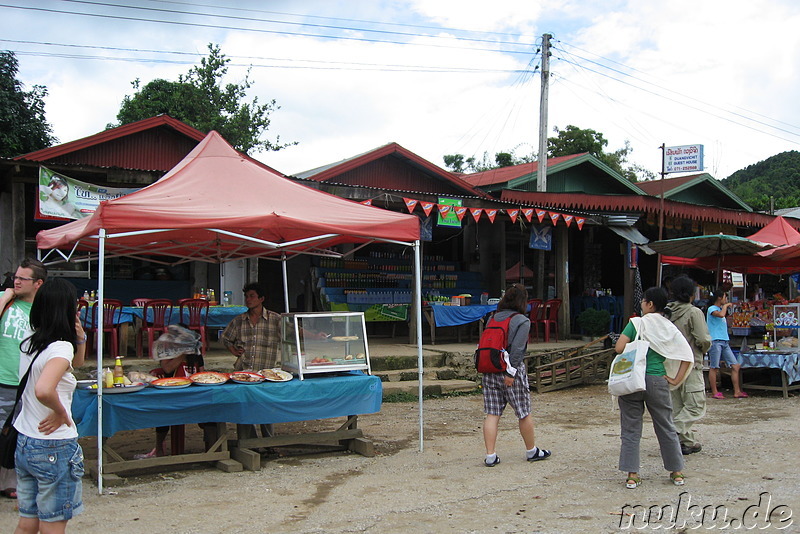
column 8, row 435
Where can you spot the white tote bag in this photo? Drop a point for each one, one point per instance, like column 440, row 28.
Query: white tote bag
column 628, row 368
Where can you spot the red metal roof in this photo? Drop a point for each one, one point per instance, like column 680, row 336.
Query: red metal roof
column 157, row 143
column 506, row 174
column 366, row 169
column 634, row 203
column 653, row 187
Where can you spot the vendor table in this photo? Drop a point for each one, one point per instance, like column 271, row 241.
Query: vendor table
column 441, row 315
column 317, row 397
column 787, row 362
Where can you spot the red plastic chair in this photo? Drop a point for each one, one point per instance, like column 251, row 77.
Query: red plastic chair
column 112, row 310
column 549, row 320
column 156, row 316
column 535, row 312
column 139, row 303
column 194, row 316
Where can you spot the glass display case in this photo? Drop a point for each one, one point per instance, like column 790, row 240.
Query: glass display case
column 323, row 342
column 786, row 331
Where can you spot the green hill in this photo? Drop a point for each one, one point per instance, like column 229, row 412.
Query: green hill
column 777, row 176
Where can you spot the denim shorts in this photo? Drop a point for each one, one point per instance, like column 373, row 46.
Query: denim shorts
column 49, row 473
column 720, row 350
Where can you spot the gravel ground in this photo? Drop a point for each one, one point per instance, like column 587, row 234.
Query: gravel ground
column 748, row 465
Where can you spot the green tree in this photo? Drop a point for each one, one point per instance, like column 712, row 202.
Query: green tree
column 461, row 164
column 23, row 127
column 200, row 99
column 777, row 178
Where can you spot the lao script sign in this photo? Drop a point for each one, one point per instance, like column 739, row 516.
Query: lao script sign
column 684, row 158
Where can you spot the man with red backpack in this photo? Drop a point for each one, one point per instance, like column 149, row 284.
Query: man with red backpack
column 509, row 385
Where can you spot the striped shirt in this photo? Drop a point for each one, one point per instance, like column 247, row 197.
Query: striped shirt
column 261, row 341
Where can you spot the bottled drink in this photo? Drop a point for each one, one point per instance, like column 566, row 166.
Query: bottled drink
column 119, row 374
column 86, row 295
column 766, row 341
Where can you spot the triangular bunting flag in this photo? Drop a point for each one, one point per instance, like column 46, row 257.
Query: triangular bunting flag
column 579, row 221
column 460, row 211
column 568, row 219
column 367, row 202
column 554, row 217
column 444, row 209
column 476, row 213
column 513, row 215
column 427, row 207
column 410, row 204
column 540, row 214
column 491, row 214
column 528, row 213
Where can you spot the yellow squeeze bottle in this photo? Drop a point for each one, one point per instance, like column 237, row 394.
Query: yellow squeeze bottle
column 119, row 374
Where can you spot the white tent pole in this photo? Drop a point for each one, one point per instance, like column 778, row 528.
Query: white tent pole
column 285, row 283
column 418, row 319
column 99, row 314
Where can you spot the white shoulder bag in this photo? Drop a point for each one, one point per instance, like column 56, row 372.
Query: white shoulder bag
column 628, row 368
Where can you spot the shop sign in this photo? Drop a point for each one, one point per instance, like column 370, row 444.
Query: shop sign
column 541, row 237
column 64, row 198
column 686, row 158
column 450, row 219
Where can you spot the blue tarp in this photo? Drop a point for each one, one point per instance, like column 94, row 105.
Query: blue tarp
column 316, row 397
column 456, row 315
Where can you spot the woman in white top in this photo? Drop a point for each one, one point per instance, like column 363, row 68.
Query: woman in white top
column 49, row 461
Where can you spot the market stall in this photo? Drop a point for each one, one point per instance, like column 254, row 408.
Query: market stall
column 219, row 205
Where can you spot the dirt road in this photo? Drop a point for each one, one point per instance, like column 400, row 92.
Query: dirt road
column 749, row 457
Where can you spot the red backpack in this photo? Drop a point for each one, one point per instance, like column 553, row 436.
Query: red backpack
column 492, row 345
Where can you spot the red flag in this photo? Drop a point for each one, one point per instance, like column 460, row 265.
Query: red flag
column 492, row 214
column 427, row 207
column 460, row 211
column 540, row 214
column 579, row 221
column 444, row 209
column 513, row 215
column 554, row 217
column 568, row 219
column 476, row 213
column 367, row 202
column 410, row 204
column 528, row 213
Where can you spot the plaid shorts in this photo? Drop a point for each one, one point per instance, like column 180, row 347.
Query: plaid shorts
column 496, row 395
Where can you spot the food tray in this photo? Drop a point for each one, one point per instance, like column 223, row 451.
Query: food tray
column 256, row 378
column 197, row 378
column 118, row 389
column 172, row 383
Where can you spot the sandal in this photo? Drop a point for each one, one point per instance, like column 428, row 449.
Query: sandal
column 678, row 479
column 9, row 493
column 718, row 395
column 633, row 482
column 741, row 395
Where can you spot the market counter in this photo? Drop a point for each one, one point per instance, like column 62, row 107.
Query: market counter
column 787, row 361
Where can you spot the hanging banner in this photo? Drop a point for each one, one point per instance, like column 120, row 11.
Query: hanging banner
column 476, row 213
column 554, row 217
column 568, row 219
column 579, row 221
column 492, row 213
column 427, row 207
column 512, row 214
column 460, row 211
column 528, row 213
column 447, row 214
column 540, row 214
column 410, row 204
column 541, row 237
column 367, row 202
column 64, row 198
column 426, row 228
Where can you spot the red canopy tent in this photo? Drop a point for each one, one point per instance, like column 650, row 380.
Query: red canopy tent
column 518, row 271
column 217, row 205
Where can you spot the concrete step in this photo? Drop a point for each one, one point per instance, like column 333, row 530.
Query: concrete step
column 434, row 387
column 380, row 362
column 404, row 375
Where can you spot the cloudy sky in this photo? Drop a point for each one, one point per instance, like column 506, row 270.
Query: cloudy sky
column 439, row 76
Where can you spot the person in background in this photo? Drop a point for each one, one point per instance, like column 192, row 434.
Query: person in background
column 720, row 346
column 15, row 309
column 254, row 336
column 689, row 399
column 666, row 342
column 511, row 387
column 49, row 460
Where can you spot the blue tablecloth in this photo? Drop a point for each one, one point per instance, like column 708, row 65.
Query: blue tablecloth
column 789, row 362
column 218, row 316
column 316, row 397
column 456, row 315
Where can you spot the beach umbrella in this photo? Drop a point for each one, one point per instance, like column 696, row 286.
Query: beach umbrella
column 708, row 245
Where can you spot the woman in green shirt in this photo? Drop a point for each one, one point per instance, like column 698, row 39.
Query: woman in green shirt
column 666, row 342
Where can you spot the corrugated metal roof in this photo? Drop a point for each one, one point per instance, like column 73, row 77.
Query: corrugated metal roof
column 694, row 188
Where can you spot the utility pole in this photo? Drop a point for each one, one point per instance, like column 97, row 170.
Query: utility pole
column 541, row 179
column 661, row 211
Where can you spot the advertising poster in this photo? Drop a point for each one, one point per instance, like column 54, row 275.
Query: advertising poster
column 541, row 237
column 64, row 198
column 451, row 219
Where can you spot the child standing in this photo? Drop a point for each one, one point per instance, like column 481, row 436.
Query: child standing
column 720, row 348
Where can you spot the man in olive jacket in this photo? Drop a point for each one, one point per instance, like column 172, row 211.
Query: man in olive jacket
column 689, row 400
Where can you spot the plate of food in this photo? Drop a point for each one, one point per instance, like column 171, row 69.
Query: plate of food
column 209, row 378
column 319, row 361
column 120, row 388
column 172, row 383
column 275, row 375
column 246, row 377
column 345, row 338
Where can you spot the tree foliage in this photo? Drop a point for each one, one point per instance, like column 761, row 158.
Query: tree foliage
column 23, row 127
column 200, row 99
column 777, row 177
column 461, row 164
